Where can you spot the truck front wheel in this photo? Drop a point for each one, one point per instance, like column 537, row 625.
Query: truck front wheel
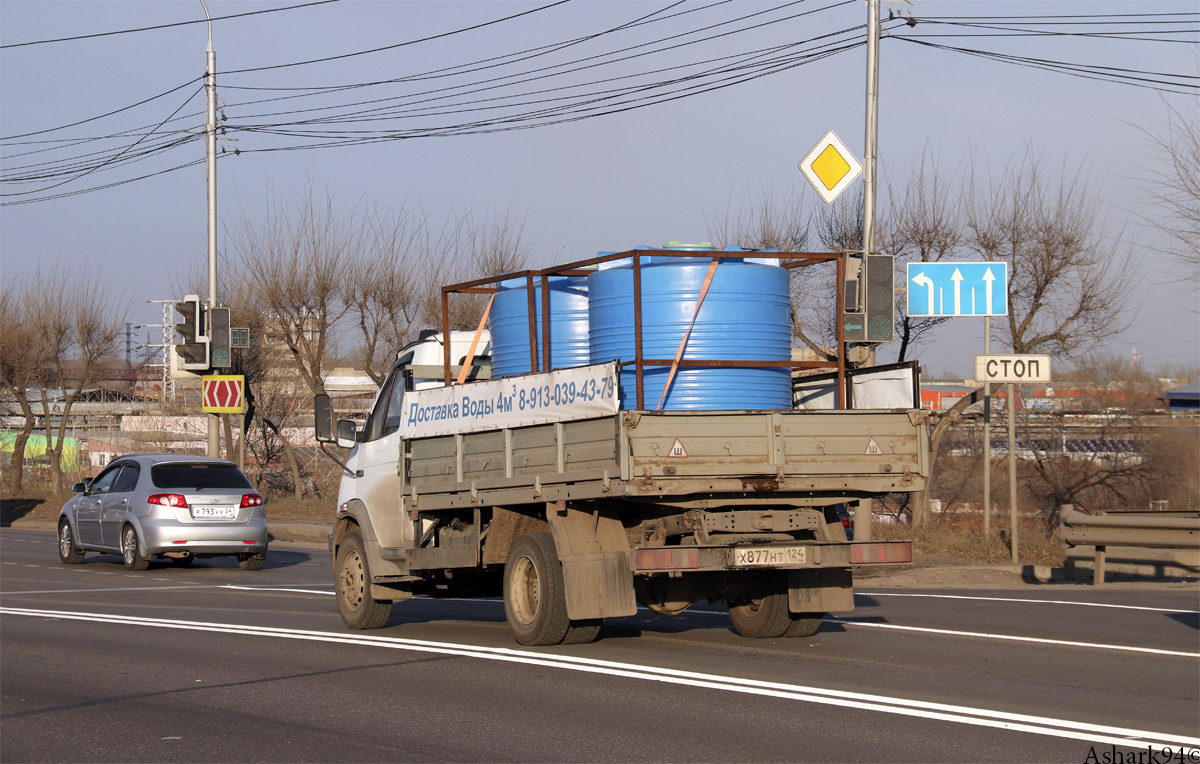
column 762, row 612
column 535, row 600
column 353, row 580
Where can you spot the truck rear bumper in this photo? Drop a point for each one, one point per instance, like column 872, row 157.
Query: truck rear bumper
column 777, row 556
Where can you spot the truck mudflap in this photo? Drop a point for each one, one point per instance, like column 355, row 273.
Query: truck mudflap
column 780, row 556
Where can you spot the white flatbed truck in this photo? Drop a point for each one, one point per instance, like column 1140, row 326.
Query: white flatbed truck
column 576, row 511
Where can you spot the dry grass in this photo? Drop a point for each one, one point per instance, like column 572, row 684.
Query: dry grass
column 960, row 539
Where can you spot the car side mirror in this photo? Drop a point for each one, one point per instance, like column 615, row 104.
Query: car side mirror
column 79, row 487
column 347, row 433
column 323, row 418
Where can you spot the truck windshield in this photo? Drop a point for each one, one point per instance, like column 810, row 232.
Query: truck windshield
column 200, row 475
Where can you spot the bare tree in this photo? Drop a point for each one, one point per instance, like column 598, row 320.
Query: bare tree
column 297, row 256
column 77, row 329
column 380, row 289
column 468, row 248
column 20, row 359
column 1177, row 190
column 924, row 224
column 1067, row 282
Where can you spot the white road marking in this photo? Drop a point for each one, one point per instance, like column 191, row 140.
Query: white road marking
column 274, row 589
column 1013, row 638
column 979, row 717
column 1015, row 599
column 136, row 589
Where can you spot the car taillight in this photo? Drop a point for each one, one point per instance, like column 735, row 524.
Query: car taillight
column 251, row 500
column 168, row 500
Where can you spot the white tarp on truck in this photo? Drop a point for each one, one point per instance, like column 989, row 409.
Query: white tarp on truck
column 582, row 392
column 895, row 386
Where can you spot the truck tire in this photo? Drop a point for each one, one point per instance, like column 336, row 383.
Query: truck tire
column 352, row 578
column 764, row 615
column 535, row 600
column 804, row 624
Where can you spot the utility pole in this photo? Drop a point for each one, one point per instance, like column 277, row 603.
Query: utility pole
column 871, row 144
column 210, row 135
column 862, row 512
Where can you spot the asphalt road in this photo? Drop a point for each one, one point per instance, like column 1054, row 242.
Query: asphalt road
column 212, row 663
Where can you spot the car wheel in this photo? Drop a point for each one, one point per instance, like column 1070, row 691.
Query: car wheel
column 252, row 561
column 131, row 550
column 764, row 613
column 804, row 624
column 67, row 551
column 352, row 578
column 535, row 600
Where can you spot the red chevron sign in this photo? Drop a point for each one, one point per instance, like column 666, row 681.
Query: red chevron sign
column 222, row 394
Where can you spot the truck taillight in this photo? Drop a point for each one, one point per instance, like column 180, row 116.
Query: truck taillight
column 251, row 500
column 168, row 500
column 889, row 551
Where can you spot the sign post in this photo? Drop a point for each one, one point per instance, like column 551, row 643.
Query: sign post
column 1012, row 370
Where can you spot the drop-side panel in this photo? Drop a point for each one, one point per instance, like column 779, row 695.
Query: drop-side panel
column 854, row 442
column 778, row 443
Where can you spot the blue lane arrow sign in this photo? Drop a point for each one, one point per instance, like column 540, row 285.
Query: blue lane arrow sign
column 958, row 289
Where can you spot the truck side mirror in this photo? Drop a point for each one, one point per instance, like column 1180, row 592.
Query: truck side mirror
column 323, row 418
column 347, row 433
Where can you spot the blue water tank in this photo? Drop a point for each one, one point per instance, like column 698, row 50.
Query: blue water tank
column 745, row 316
column 509, row 324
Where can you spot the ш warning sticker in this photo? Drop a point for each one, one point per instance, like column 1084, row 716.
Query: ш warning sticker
column 677, row 450
column 873, row 448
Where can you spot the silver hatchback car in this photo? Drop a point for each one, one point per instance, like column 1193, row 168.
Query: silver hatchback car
column 176, row 506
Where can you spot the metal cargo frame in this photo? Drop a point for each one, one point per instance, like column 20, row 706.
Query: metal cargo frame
column 788, row 260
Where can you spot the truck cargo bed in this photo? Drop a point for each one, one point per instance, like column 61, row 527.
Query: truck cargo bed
column 672, row 455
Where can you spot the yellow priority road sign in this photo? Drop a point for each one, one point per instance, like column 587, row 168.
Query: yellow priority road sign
column 830, row 167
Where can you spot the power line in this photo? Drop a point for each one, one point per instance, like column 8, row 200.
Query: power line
column 580, row 64
column 107, row 162
column 164, row 26
column 1086, row 71
column 399, row 44
column 102, row 116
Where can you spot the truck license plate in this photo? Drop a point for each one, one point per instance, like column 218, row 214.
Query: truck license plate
column 213, row 513
column 749, row 557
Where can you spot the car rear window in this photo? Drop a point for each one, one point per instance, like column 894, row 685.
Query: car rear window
column 198, row 476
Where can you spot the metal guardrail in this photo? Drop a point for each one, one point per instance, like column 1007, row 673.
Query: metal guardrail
column 1154, row 530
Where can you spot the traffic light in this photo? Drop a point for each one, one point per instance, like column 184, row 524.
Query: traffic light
column 869, row 312
column 193, row 351
column 854, row 321
column 218, row 332
column 880, row 298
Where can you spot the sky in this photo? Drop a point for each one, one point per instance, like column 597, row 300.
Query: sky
column 612, row 181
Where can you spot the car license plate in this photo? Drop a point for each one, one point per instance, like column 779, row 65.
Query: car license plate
column 749, row 557
column 213, row 513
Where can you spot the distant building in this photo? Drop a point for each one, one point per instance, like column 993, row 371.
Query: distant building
column 937, row 396
column 1186, row 398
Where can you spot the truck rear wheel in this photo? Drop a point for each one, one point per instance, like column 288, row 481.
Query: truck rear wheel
column 535, row 600
column 763, row 614
column 804, row 624
column 352, row 578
